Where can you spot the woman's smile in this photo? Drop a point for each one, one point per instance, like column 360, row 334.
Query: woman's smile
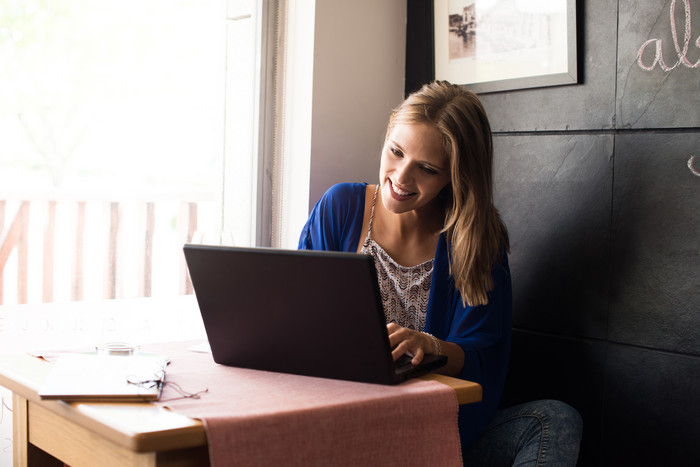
column 400, row 194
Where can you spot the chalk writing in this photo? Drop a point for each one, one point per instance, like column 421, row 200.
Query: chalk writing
column 682, row 53
column 691, row 161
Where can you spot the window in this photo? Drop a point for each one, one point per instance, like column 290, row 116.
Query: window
column 115, row 116
column 132, row 125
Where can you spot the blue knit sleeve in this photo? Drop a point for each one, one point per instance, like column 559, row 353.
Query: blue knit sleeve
column 335, row 222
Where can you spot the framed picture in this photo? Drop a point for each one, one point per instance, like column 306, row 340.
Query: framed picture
column 497, row 45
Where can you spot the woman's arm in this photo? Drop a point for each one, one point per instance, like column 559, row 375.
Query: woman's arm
column 335, row 222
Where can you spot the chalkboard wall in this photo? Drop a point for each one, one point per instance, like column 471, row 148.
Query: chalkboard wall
column 600, row 188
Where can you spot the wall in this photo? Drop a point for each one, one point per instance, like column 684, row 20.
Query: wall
column 358, row 78
column 346, row 73
column 597, row 186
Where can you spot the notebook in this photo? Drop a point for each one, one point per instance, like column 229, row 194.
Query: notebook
column 104, row 378
column 314, row 313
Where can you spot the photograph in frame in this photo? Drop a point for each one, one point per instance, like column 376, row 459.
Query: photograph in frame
column 498, row 45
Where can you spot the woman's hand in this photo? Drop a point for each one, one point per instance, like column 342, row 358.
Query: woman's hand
column 407, row 341
column 417, row 344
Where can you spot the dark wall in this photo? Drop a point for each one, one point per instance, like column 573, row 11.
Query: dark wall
column 601, row 195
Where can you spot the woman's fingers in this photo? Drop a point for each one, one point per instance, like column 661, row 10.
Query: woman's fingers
column 406, row 341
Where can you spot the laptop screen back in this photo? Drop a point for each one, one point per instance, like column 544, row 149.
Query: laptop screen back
column 294, row 311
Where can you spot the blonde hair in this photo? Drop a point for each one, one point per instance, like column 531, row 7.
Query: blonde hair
column 476, row 236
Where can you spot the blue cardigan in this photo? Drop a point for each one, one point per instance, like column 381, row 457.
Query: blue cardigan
column 483, row 332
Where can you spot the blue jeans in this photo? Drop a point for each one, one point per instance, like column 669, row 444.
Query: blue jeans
column 539, row 433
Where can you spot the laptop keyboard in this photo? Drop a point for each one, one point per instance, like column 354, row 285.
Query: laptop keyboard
column 403, row 364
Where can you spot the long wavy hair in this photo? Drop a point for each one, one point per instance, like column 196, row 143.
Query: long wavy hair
column 476, row 236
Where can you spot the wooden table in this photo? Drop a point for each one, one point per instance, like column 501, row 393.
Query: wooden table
column 113, row 434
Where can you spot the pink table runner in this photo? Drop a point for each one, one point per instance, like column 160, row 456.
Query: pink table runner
column 263, row 418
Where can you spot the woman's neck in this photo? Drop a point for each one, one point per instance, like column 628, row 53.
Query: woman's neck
column 410, row 237
column 425, row 222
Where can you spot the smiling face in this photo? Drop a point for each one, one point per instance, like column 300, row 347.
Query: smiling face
column 414, row 167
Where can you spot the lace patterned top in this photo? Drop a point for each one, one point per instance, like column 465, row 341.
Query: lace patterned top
column 404, row 290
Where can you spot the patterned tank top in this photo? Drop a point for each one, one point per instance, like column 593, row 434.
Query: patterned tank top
column 404, row 290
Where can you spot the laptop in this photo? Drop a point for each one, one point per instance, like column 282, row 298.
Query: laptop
column 313, row 313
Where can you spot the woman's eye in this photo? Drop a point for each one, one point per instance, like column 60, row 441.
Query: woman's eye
column 429, row 171
column 396, row 152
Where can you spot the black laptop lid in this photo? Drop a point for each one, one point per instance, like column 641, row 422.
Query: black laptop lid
column 295, row 311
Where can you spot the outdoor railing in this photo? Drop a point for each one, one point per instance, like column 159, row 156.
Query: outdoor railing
column 78, row 246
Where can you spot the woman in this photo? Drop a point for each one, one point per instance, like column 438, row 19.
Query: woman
column 440, row 248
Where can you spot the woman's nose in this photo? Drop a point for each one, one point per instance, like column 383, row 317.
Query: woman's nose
column 404, row 173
